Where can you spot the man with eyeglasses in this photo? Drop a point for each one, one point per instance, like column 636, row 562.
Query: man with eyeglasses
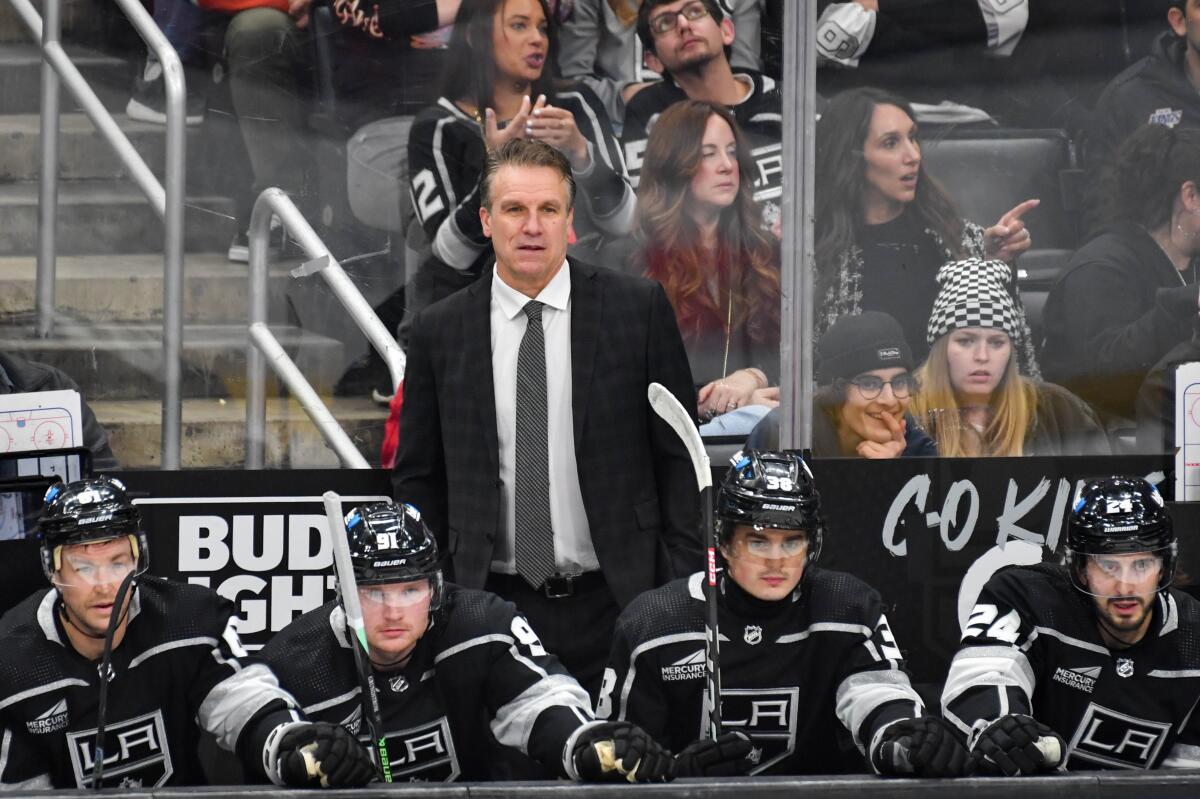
column 1092, row 664
column 691, row 39
column 811, row 678
column 456, row 671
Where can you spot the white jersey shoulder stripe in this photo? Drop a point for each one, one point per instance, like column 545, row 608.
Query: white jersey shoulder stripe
column 1177, row 674
column 1068, row 640
column 41, row 689
column 317, row 707
column 473, row 642
column 825, row 627
column 202, row 640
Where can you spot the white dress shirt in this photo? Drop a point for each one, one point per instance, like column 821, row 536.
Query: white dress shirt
column 573, row 550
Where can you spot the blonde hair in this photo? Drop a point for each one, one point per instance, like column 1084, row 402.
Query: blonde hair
column 1013, row 407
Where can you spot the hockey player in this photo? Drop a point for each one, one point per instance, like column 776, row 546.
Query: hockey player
column 1092, row 664
column 174, row 660
column 805, row 653
column 450, row 664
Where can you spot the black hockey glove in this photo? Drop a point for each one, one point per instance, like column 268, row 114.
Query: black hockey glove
column 1014, row 745
column 308, row 754
column 926, row 746
column 616, row 751
column 728, row 756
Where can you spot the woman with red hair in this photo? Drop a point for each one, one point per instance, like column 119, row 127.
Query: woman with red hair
column 700, row 234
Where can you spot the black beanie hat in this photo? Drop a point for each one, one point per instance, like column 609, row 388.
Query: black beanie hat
column 860, row 343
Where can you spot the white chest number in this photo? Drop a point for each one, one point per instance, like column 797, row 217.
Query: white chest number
column 425, row 196
column 525, row 634
column 983, row 622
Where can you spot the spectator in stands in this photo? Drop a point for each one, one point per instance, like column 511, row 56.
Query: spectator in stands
column 864, row 386
column 691, row 40
column 1156, row 398
column 699, row 233
column 1129, row 294
column 973, row 401
column 1161, row 89
column 19, row 376
column 884, row 227
column 600, row 48
column 500, row 88
column 182, row 23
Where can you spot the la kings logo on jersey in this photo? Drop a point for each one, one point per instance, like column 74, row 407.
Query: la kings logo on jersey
column 767, row 715
column 424, row 753
column 52, row 720
column 135, row 752
column 1115, row 739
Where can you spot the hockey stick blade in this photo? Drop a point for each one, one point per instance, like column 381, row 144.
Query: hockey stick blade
column 348, row 587
column 672, row 412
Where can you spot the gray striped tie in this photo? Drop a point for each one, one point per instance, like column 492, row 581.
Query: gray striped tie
column 534, row 534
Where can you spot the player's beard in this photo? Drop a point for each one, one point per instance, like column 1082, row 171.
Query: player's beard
column 1120, row 627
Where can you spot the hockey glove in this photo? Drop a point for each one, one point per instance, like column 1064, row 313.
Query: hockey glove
column 926, row 746
column 308, row 754
column 728, row 756
column 615, row 751
column 1014, row 745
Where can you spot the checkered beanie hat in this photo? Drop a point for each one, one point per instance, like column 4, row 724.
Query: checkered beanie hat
column 973, row 293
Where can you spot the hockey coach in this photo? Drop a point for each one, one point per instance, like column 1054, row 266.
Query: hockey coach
column 526, row 439
column 1091, row 664
column 107, row 677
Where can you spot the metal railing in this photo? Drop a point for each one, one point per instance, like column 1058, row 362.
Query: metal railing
column 167, row 202
column 265, row 347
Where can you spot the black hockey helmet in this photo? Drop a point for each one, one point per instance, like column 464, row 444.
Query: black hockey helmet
column 389, row 543
column 1118, row 516
column 92, row 510
column 770, row 489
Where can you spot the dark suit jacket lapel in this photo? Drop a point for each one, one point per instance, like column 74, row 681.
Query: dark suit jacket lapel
column 587, row 300
column 477, row 352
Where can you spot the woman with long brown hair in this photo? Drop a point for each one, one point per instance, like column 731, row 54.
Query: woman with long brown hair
column 700, row 234
column 884, row 227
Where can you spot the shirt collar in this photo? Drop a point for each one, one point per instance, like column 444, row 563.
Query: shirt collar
column 556, row 293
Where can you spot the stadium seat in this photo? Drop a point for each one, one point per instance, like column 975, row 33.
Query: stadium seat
column 1036, row 271
column 987, row 172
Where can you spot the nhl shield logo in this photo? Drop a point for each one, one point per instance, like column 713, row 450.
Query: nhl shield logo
column 1124, row 667
column 752, row 634
column 398, row 684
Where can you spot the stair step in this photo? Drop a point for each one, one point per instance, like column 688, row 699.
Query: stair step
column 109, row 288
column 103, row 217
column 214, row 432
column 113, row 361
column 82, row 152
column 20, row 77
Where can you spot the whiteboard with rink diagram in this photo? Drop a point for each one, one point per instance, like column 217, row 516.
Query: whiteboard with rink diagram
column 40, row 420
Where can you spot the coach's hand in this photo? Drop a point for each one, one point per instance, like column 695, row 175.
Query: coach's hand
column 617, row 751
column 1014, row 745
column 310, row 754
column 728, row 756
column 926, row 746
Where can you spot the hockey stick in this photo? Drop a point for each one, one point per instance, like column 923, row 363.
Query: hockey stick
column 354, row 625
column 672, row 412
column 106, row 674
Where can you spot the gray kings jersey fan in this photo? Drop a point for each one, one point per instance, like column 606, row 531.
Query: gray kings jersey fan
column 808, row 681
column 180, row 662
column 479, row 666
column 1031, row 646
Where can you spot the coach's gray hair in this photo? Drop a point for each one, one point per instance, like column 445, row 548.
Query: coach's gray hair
column 524, row 152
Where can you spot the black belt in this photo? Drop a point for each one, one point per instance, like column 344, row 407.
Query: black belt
column 557, row 586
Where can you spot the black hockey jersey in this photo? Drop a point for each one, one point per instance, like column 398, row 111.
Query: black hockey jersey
column 1032, row 646
column 795, row 676
column 179, row 662
column 760, row 116
column 445, row 161
column 479, row 666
